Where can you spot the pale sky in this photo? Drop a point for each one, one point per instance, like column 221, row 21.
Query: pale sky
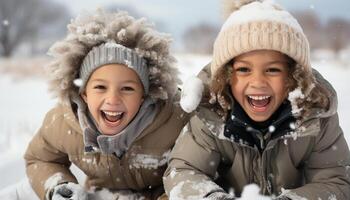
column 174, row 16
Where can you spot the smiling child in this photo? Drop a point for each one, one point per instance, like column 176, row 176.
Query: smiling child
column 267, row 118
column 117, row 88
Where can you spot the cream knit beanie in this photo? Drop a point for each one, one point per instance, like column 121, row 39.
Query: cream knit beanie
column 258, row 25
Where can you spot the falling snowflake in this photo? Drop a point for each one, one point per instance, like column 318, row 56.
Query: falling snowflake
column 5, row 23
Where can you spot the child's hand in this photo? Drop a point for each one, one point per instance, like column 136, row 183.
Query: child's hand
column 220, row 196
column 69, row 191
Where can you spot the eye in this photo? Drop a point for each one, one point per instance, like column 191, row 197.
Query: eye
column 274, row 70
column 99, row 87
column 128, row 89
column 242, row 69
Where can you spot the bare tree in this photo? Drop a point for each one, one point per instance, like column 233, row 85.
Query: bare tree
column 23, row 20
column 200, row 38
column 337, row 32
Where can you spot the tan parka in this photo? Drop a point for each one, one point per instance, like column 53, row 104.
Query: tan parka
column 60, row 140
column 59, row 143
column 314, row 165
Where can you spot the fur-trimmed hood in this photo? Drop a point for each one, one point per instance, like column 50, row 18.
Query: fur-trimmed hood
column 92, row 29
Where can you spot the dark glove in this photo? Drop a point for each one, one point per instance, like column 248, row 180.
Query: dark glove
column 69, row 191
column 282, row 198
column 220, row 196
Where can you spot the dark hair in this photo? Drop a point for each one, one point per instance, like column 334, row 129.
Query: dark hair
column 316, row 95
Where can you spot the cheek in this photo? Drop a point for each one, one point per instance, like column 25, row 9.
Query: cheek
column 134, row 104
column 237, row 87
column 281, row 88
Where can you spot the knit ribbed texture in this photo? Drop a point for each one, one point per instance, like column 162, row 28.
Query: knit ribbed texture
column 260, row 34
column 112, row 53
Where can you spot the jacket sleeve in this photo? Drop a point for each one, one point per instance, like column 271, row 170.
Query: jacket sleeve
column 47, row 165
column 193, row 163
column 327, row 170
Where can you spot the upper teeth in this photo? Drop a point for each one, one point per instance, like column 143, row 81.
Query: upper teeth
column 259, row 97
column 112, row 113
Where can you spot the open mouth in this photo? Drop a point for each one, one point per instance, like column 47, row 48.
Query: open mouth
column 259, row 102
column 112, row 117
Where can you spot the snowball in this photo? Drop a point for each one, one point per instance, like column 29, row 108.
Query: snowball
column 252, row 192
column 191, row 94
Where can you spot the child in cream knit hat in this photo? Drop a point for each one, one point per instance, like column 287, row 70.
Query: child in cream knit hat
column 117, row 116
column 267, row 118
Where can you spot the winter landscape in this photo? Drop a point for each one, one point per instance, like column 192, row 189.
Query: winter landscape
column 25, row 100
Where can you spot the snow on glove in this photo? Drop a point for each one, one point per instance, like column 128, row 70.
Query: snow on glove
column 69, row 191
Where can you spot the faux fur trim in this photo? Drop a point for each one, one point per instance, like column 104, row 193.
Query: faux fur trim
column 92, row 29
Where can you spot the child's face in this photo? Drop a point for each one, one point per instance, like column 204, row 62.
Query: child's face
column 114, row 94
column 259, row 82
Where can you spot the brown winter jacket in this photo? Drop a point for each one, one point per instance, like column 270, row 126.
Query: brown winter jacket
column 59, row 142
column 315, row 165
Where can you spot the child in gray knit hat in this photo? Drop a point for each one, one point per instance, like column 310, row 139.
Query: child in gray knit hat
column 117, row 116
column 267, row 118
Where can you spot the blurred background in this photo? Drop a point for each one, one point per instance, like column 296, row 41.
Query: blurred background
column 29, row 27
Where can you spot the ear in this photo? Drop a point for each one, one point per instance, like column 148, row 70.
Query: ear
column 83, row 96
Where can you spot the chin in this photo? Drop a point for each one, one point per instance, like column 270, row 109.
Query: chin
column 259, row 118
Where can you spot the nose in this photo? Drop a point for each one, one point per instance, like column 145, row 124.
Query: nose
column 113, row 98
column 258, row 80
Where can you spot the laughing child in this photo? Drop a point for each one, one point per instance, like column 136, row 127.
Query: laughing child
column 117, row 117
column 269, row 118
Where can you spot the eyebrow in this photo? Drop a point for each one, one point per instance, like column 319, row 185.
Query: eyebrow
column 268, row 63
column 103, row 80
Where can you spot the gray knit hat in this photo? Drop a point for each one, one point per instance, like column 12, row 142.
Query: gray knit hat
column 112, row 53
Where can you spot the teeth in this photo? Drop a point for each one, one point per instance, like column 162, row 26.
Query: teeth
column 112, row 113
column 259, row 97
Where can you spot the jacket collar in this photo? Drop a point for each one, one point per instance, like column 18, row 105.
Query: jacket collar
column 241, row 129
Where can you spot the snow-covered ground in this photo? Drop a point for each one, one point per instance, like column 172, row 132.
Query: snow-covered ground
column 24, row 102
